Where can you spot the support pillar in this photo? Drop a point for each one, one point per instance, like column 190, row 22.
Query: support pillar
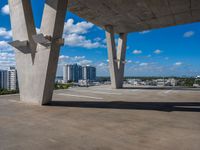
column 116, row 57
column 37, row 63
column 121, row 55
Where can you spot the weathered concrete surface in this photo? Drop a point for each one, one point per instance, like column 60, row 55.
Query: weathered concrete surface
column 124, row 119
column 130, row 16
column 116, row 57
column 137, row 15
column 121, row 56
column 37, row 67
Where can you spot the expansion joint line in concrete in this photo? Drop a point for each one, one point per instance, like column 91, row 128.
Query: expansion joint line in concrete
column 36, row 70
column 117, row 57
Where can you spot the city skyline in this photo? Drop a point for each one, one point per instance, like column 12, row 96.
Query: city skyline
column 172, row 51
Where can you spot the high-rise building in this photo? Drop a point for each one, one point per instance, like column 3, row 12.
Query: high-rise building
column 12, row 79
column 72, row 72
column 89, row 73
column 3, row 79
column 8, row 79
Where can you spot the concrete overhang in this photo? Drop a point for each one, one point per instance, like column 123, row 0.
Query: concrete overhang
column 136, row 15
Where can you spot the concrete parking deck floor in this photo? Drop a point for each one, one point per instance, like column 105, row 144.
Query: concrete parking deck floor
column 98, row 118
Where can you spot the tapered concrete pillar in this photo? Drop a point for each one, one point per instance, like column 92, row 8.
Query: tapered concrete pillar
column 121, row 57
column 36, row 62
column 116, row 57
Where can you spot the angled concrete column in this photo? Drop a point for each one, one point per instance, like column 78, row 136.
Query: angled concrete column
column 121, row 56
column 116, row 57
column 37, row 63
column 112, row 56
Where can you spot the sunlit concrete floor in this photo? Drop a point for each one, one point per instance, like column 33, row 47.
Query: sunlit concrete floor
column 98, row 118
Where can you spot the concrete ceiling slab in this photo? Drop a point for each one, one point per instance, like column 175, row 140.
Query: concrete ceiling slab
column 137, row 15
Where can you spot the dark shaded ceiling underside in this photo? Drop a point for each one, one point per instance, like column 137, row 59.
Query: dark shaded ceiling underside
column 136, row 15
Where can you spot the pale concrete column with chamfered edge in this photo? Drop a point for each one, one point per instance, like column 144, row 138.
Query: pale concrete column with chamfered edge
column 37, row 64
column 121, row 55
column 116, row 57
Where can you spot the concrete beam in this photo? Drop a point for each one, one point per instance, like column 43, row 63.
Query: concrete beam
column 36, row 74
column 136, row 15
column 116, row 57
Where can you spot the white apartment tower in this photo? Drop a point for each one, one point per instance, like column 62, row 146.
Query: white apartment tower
column 8, row 79
column 74, row 73
column 89, row 73
column 12, row 78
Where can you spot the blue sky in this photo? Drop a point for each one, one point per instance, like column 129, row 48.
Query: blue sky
column 173, row 51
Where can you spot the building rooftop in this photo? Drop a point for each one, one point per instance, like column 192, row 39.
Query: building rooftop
column 98, row 118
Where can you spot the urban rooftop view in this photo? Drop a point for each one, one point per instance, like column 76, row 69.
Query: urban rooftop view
column 99, row 75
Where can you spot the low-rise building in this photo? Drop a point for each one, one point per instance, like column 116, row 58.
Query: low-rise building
column 197, row 82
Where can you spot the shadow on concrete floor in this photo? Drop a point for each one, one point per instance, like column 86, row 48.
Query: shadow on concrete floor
column 157, row 106
column 163, row 88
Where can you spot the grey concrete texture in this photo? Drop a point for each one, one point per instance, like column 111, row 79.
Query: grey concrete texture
column 116, row 57
column 37, row 64
column 137, row 15
column 98, row 118
column 37, row 70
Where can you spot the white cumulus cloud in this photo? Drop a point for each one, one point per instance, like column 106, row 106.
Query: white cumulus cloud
column 5, row 47
column 128, row 61
column 77, row 40
column 178, row 63
column 7, row 56
column 188, row 34
column 5, row 10
column 102, row 69
column 143, row 64
column 137, row 52
column 75, row 35
column 5, row 33
column 63, row 59
column 157, row 51
column 7, row 59
column 79, row 28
